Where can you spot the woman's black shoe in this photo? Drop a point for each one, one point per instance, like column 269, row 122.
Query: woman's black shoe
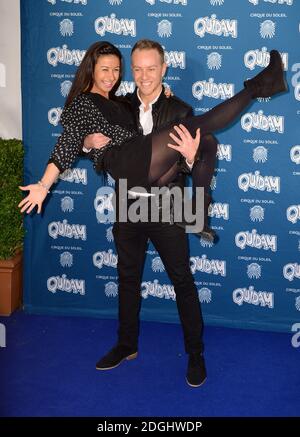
column 270, row 80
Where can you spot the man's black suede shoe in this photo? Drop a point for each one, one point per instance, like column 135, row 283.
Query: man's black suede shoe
column 196, row 372
column 115, row 356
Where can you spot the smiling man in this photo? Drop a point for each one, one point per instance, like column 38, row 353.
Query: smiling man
column 152, row 109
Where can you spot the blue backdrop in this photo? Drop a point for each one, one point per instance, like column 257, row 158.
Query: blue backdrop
column 251, row 277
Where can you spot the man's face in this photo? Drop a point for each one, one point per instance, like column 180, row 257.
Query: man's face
column 147, row 72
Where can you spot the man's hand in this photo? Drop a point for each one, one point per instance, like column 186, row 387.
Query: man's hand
column 168, row 92
column 186, row 144
column 95, row 141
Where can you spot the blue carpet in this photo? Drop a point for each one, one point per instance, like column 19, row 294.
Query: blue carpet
column 48, row 369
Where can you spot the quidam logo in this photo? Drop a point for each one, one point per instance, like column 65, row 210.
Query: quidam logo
column 216, row 2
column 253, row 120
column 63, row 55
column 66, row 259
column 280, row 2
column 155, row 289
column 260, row 154
column 267, row 29
column 164, row 29
column 108, row 259
column 257, row 213
column 249, row 295
column 111, row 289
column 109, row 234
column 157, row 265
column 261, row 58
column 219, row 210
column 209, row 266
column 224, row 152
column 263, row 99
column 205, row 243
column 175, row 59
column 254, row 271
column 66, row 27
column 214, row 61
column 62, row 283
column 213, row 26
column 205, row 295
column 209, row 88
column 75, row 175
column 110, row 181
column 64, row 229
column 76, row 2
column 54, row 115
column 258, row 182
column 125, row 88
column 245, row 239
column 296, row 337
column 291, row 271
column 295, row 80
column 175, row 2
column 117, row 26
column 67, row 204
column 295, row 154
column 104, row 205
column 213, row 184
column 293, row 213
column 65, row 87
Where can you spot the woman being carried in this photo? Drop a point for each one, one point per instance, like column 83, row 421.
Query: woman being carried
column 142, row 160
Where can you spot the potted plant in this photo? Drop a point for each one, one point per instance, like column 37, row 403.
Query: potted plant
column 11, row 225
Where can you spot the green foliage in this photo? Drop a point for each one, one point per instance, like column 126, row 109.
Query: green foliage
column 11, row 176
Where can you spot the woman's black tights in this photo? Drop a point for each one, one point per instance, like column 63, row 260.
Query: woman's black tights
column 164, row 158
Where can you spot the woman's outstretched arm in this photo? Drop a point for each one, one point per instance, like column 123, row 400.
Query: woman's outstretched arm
column 76, row 121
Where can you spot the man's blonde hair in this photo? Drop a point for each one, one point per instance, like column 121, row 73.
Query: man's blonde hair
column 147, row 44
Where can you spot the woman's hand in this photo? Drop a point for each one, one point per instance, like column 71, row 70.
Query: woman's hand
column 95, row 141
column 186, row 144
column 36, row 197
column 168, row 92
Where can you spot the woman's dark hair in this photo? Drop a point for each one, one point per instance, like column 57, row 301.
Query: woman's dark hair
column 84, row 78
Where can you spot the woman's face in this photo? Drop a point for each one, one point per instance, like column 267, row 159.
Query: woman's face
column 106, row 74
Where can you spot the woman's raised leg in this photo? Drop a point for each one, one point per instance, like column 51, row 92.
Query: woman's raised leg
column 267, row 83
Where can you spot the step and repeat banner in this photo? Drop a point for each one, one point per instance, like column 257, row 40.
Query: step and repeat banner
column 251, row 277
column 10, row 70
